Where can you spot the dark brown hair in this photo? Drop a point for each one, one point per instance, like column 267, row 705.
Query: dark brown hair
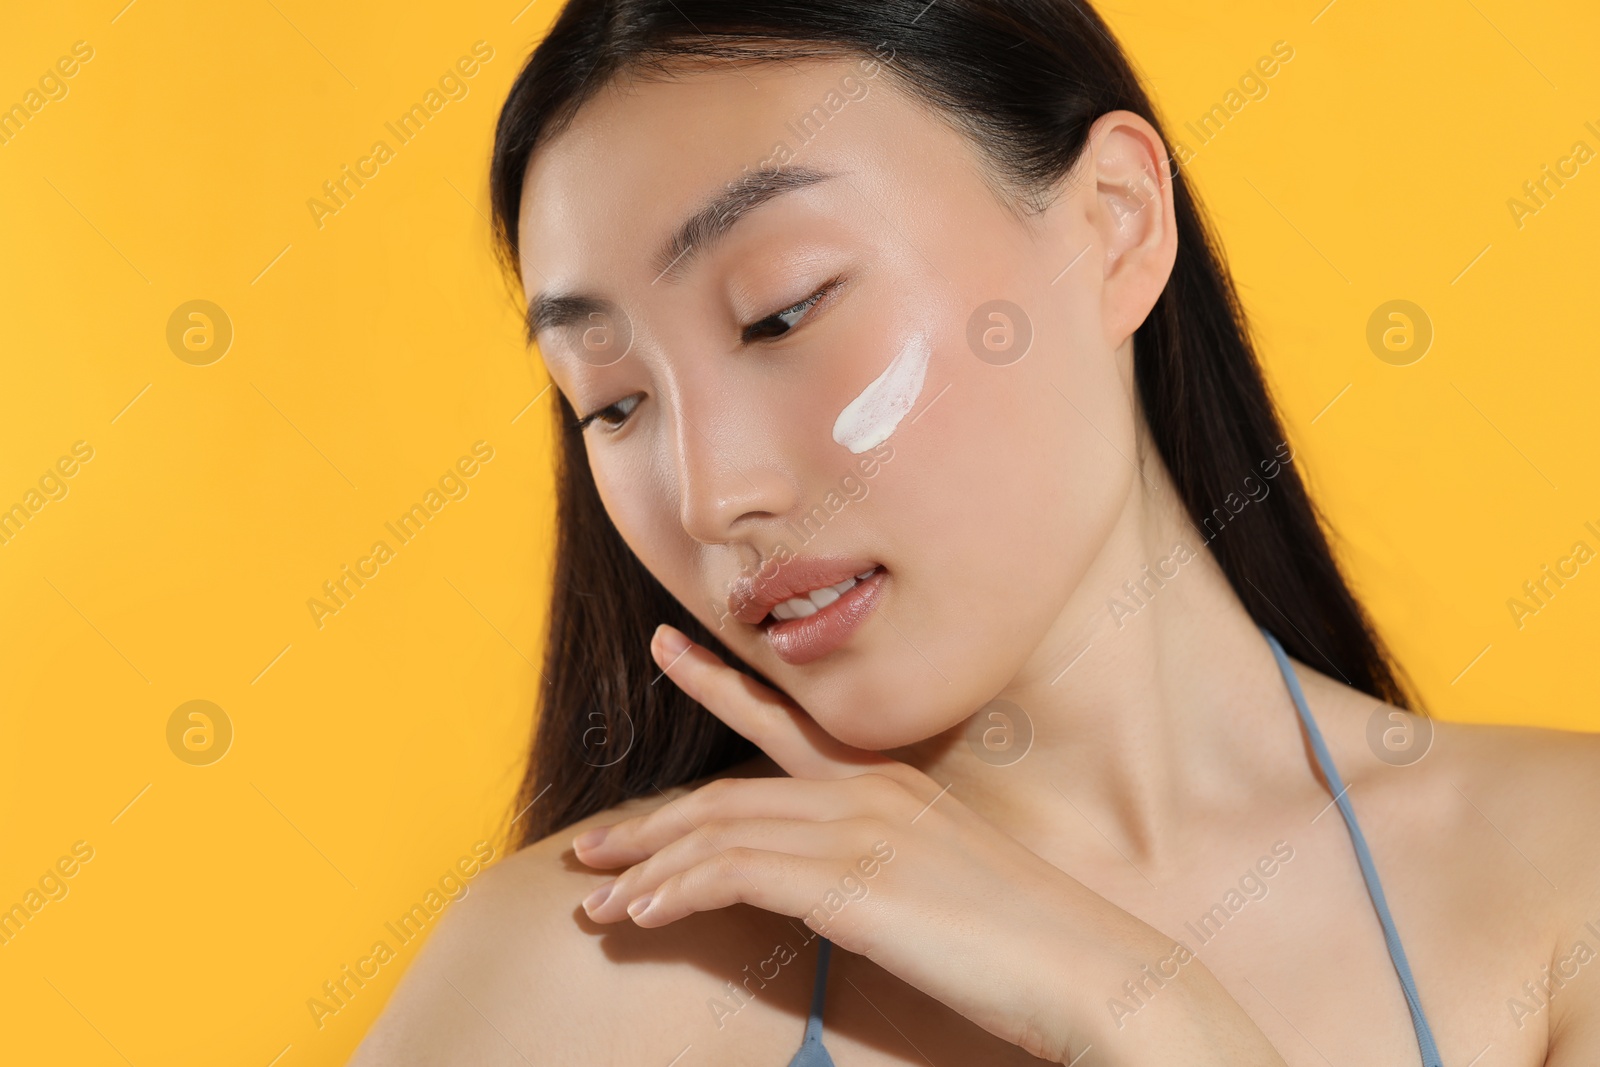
column 1024, row 79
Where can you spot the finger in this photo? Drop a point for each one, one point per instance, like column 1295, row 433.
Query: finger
column 770, row 720
column 773, row 881
column 867, row 795
column 804, row 839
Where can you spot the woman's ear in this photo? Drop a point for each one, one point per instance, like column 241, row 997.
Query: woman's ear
column 1131, row 213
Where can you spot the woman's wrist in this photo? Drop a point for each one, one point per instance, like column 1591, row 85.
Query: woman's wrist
column 1132, row 995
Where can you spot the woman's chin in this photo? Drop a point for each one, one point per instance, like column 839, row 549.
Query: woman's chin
column 868, row 728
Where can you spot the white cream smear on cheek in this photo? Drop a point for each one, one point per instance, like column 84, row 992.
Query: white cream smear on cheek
column 869, row 419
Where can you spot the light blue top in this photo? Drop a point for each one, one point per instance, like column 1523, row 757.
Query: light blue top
column 1369, row 872
column 814, row 1054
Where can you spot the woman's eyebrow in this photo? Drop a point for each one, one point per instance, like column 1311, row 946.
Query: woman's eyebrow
column 712, row 221
column 709, row 224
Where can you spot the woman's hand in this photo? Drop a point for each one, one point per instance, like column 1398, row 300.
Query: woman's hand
column 882, row 860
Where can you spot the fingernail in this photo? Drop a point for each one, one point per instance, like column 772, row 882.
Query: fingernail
column 599, row 896
column 590, row 838
column 638, row 907
column 672, row 642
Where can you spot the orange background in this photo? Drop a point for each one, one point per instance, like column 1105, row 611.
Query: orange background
column 371, row 753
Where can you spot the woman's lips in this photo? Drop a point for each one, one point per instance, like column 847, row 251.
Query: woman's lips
column 800, row 641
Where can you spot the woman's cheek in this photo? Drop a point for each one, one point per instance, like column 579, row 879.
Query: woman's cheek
column 643, row 508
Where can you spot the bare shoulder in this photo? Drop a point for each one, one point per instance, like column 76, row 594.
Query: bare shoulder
column 1539, row 789
column 1517, row 799
column 1485, row 835
column 487, row 986
column 515, row 972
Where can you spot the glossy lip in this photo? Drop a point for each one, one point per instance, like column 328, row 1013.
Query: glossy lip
column 800, row 641
column 753, row 596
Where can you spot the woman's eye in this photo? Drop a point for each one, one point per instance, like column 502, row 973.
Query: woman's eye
column 612, row 415
column 782, row 322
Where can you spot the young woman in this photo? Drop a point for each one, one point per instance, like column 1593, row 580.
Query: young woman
column 944, row 646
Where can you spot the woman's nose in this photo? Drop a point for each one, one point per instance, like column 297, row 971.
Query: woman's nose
column 724, row 484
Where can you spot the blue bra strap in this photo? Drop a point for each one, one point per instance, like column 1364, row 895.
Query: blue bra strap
column 1425, row 1042
column 812, row 1052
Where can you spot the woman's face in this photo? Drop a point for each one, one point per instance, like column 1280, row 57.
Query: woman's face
column 821, row 372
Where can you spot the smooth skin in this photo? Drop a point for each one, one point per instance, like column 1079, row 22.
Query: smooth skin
column 1166, row 762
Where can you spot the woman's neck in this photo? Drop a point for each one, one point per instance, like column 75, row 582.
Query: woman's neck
column 1152, row 700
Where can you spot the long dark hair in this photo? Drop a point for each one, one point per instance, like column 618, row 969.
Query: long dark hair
column 1024, row 79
